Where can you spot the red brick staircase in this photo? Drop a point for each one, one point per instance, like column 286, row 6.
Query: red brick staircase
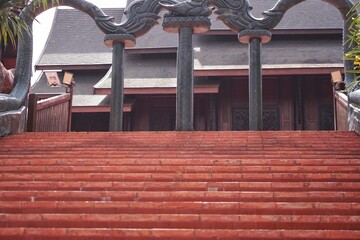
column 180, row 185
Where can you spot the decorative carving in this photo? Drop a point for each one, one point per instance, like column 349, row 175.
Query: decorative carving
column 240, row 119
column 190, row 14
column 271, row 119
column 106, row 25
column 142, row 15
column 188, row 8
column 237, row 16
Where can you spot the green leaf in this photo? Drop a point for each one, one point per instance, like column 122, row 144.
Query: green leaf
column 11, row 24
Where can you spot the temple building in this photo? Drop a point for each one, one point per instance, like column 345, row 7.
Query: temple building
column 306, row 47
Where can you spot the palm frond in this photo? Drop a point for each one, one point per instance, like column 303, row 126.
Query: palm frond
column 354, row 41
column 11, row 24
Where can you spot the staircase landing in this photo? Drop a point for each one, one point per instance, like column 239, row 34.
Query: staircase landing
column 180, row 185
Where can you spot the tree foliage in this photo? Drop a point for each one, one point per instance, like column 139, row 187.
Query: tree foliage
column 354, row 40
column 11, row 24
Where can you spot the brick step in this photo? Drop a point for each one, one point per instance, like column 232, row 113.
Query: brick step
column 143, row 152
column 177, row 186
column 209, row 161
column 147, row 155
column 170, row 144
column 186, row 196
column 238, row 150
column 184, row 177
column 180, row 185
column 170, row 234
column 250, row 160
column 182, row 221
column 224, row 208
column 176, row 169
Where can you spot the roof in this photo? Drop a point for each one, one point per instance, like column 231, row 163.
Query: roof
column 144, row 81
column 222, row 54
column 97, row 103
column 76, row 42
column 306, row 49
column 84, row 82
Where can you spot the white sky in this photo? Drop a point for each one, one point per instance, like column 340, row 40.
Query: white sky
column 42, row 27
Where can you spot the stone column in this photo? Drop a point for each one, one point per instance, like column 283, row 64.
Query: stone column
column 118, row 42
column 185, row 26
column 185, row 81
column 255, row 38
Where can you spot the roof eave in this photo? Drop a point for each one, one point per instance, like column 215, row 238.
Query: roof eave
column 73, row 67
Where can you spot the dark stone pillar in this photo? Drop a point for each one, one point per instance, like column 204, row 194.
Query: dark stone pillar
column 185, row 81
column 255, row 85
column 185, row 26
column 118, row 43
column 117, row 88
column 255, row 38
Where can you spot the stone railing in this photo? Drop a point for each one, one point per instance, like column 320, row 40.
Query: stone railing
column 340, row 111
column 354, row 111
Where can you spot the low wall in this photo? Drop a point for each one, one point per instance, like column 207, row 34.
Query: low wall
column 354, row 111
column 12, row 122
column 340, row 111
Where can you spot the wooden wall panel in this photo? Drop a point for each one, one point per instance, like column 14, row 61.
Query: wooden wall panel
column 311, row 104
column 234, row 103
column 225, row 106
column 318, row 102
column 271, row 90
column 201, row 109
column 141, row 114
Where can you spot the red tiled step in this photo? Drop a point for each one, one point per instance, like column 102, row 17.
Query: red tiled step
column 180, row 185
column 171, row 234
column 177, row 186
column 182, row 221
column 186, row 196
column 25, row 160
column 225, row 208
column 183, row 177
column 184, row 168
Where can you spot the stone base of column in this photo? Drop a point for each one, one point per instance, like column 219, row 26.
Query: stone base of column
column 12, row 122
column 199, row 24
column 246, row 35
column 128, row 40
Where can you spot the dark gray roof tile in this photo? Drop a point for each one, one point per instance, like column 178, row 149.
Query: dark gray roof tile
column 76, row 40
column 226, row 50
